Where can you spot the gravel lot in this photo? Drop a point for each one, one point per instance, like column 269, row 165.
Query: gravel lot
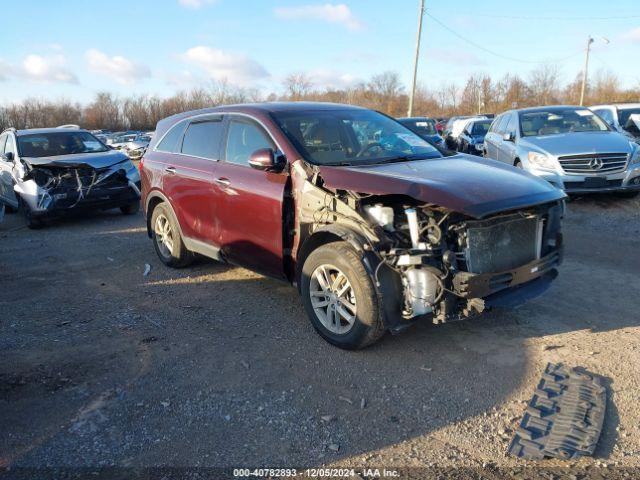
column 217, row 366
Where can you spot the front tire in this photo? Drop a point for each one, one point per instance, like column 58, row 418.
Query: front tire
column 340, row 297
column 33, row 222
column 167, row 240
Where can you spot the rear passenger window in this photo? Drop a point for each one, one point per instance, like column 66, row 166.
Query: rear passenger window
column 243, row 139
column 202, row 139
column 170, row 141
column 3, row 140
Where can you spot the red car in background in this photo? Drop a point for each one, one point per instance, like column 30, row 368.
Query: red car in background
column 375, row 227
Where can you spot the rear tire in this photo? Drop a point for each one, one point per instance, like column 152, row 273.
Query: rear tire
column 167, row 240
column 131, row 208
column 518, row 164
column 355, row 319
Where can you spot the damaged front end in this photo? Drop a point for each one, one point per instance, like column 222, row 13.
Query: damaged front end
column 48, row 188
column 428, row 261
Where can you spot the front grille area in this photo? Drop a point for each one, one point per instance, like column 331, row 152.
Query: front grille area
column 503, row 243
column 589, row 185
column 594, row 163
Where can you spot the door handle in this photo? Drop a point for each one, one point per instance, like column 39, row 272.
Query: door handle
column 170, row 169
column 224, row 182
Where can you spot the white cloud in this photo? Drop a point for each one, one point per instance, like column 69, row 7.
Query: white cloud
column 632, row 35
column 195, row 4
column 224, row 65
column 339, row 13
column 121, row 69
column 331, row 79
column 46, row 69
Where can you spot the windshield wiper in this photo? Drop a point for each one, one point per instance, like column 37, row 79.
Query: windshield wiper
column 406, row 158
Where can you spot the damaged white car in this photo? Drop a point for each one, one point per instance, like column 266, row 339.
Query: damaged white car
column 47, row 172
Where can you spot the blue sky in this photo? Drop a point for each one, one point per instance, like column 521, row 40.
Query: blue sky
column 74, row 48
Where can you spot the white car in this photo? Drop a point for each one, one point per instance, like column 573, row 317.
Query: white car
column 457, row 128
column 623, row 117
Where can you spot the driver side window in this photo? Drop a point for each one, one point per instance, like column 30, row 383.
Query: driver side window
column 244, row 138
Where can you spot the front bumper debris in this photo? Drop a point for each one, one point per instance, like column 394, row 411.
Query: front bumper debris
column 79, row 188
column 565, row 416
column 625, row 181
column 480, row 285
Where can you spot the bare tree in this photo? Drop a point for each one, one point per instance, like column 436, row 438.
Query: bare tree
column 297, row 86
column 104, row 112
column 544, row 84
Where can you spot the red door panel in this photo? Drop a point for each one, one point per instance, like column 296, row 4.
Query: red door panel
column 250, row 217
column 187, row 182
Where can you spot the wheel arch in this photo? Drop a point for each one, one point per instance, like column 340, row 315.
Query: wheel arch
column 387, row 283
column 154, row 199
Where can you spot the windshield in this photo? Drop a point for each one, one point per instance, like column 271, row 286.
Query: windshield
column 553, row 122
column 58, row 143
column 481, row 128
column 424, row 126
column 351, row 137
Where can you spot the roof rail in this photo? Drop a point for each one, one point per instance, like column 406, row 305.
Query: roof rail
column 71, row 125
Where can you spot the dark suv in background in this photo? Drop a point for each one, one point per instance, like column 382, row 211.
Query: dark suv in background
column 375, row 227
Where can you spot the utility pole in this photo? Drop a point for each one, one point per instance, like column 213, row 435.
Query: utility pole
column 586, row 69
column 415, row 61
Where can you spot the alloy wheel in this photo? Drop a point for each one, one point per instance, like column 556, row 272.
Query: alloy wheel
column 333, row 299
column 164, row 235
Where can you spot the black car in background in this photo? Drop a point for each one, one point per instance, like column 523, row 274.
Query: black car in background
column 425, row 128
column 471, row 140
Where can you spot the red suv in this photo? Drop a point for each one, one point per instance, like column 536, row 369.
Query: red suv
column 375, row 227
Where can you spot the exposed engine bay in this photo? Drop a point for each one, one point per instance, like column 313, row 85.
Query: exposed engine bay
column 440, row 263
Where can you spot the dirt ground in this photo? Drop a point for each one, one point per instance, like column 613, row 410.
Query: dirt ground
column 215, row 366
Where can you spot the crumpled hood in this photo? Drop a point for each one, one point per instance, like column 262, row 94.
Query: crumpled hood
column 462, row 183
column 95, row 160
column 578, row 142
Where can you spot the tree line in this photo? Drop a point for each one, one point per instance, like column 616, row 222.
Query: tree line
column 385, row 92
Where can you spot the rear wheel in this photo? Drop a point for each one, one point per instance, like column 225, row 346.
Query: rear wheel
column 340, row 298
column 167, row 240
column 518, row 164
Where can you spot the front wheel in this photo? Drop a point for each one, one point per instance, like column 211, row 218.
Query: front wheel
column 33, row 222
column 340, row 297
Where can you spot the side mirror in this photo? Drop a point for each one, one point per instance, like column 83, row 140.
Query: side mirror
column 8, row 157
column 509, row 137
column 265, row 159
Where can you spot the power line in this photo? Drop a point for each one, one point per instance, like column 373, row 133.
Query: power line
column 496, row 54
column 527, row 17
